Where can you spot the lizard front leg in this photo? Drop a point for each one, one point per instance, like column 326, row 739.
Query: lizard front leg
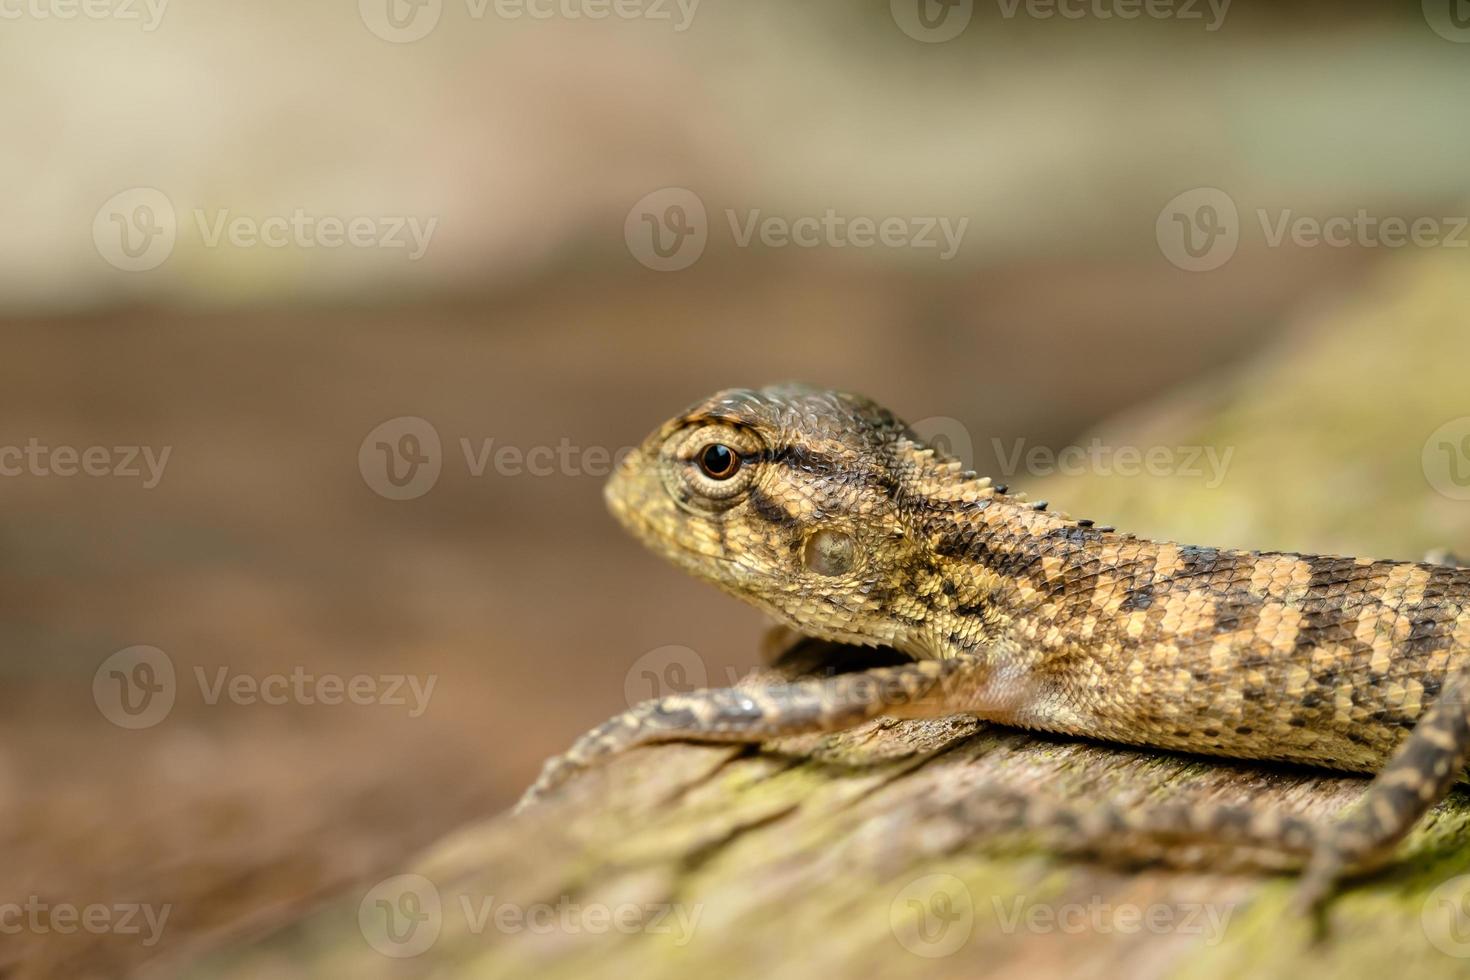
column 921, row 688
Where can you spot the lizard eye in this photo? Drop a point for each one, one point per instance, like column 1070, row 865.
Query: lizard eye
column 718, row 461
column 710, row 466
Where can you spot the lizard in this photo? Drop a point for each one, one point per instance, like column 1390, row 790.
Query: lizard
column 829, row 513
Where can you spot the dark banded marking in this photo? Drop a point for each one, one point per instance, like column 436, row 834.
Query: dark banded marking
column 769, row 509
column 808, row 460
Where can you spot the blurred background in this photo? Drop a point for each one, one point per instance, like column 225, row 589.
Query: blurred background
column 323, row 321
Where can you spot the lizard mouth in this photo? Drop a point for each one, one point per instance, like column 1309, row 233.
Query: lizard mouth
column 634, row 520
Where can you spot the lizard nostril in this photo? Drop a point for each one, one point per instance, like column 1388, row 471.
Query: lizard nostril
column 829, row 552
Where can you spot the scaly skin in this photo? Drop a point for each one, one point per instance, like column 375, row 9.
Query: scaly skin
column 838, row 522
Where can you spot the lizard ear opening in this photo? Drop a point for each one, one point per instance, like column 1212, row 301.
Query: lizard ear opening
column 829, row 552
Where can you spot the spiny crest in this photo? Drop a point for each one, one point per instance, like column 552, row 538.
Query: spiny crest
column 964, row 486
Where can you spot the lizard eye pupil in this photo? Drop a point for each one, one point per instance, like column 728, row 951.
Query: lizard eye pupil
column 719, row 462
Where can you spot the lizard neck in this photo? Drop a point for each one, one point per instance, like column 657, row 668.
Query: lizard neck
column 999, row 564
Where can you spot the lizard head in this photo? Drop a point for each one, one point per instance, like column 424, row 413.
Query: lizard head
column 786, row 497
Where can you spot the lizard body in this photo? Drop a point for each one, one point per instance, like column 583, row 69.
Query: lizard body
column 827, row 512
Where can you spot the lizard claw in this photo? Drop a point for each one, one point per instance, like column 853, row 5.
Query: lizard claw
column 1315, row 890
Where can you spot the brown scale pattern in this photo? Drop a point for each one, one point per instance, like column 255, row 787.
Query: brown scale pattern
column 1321, row 660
